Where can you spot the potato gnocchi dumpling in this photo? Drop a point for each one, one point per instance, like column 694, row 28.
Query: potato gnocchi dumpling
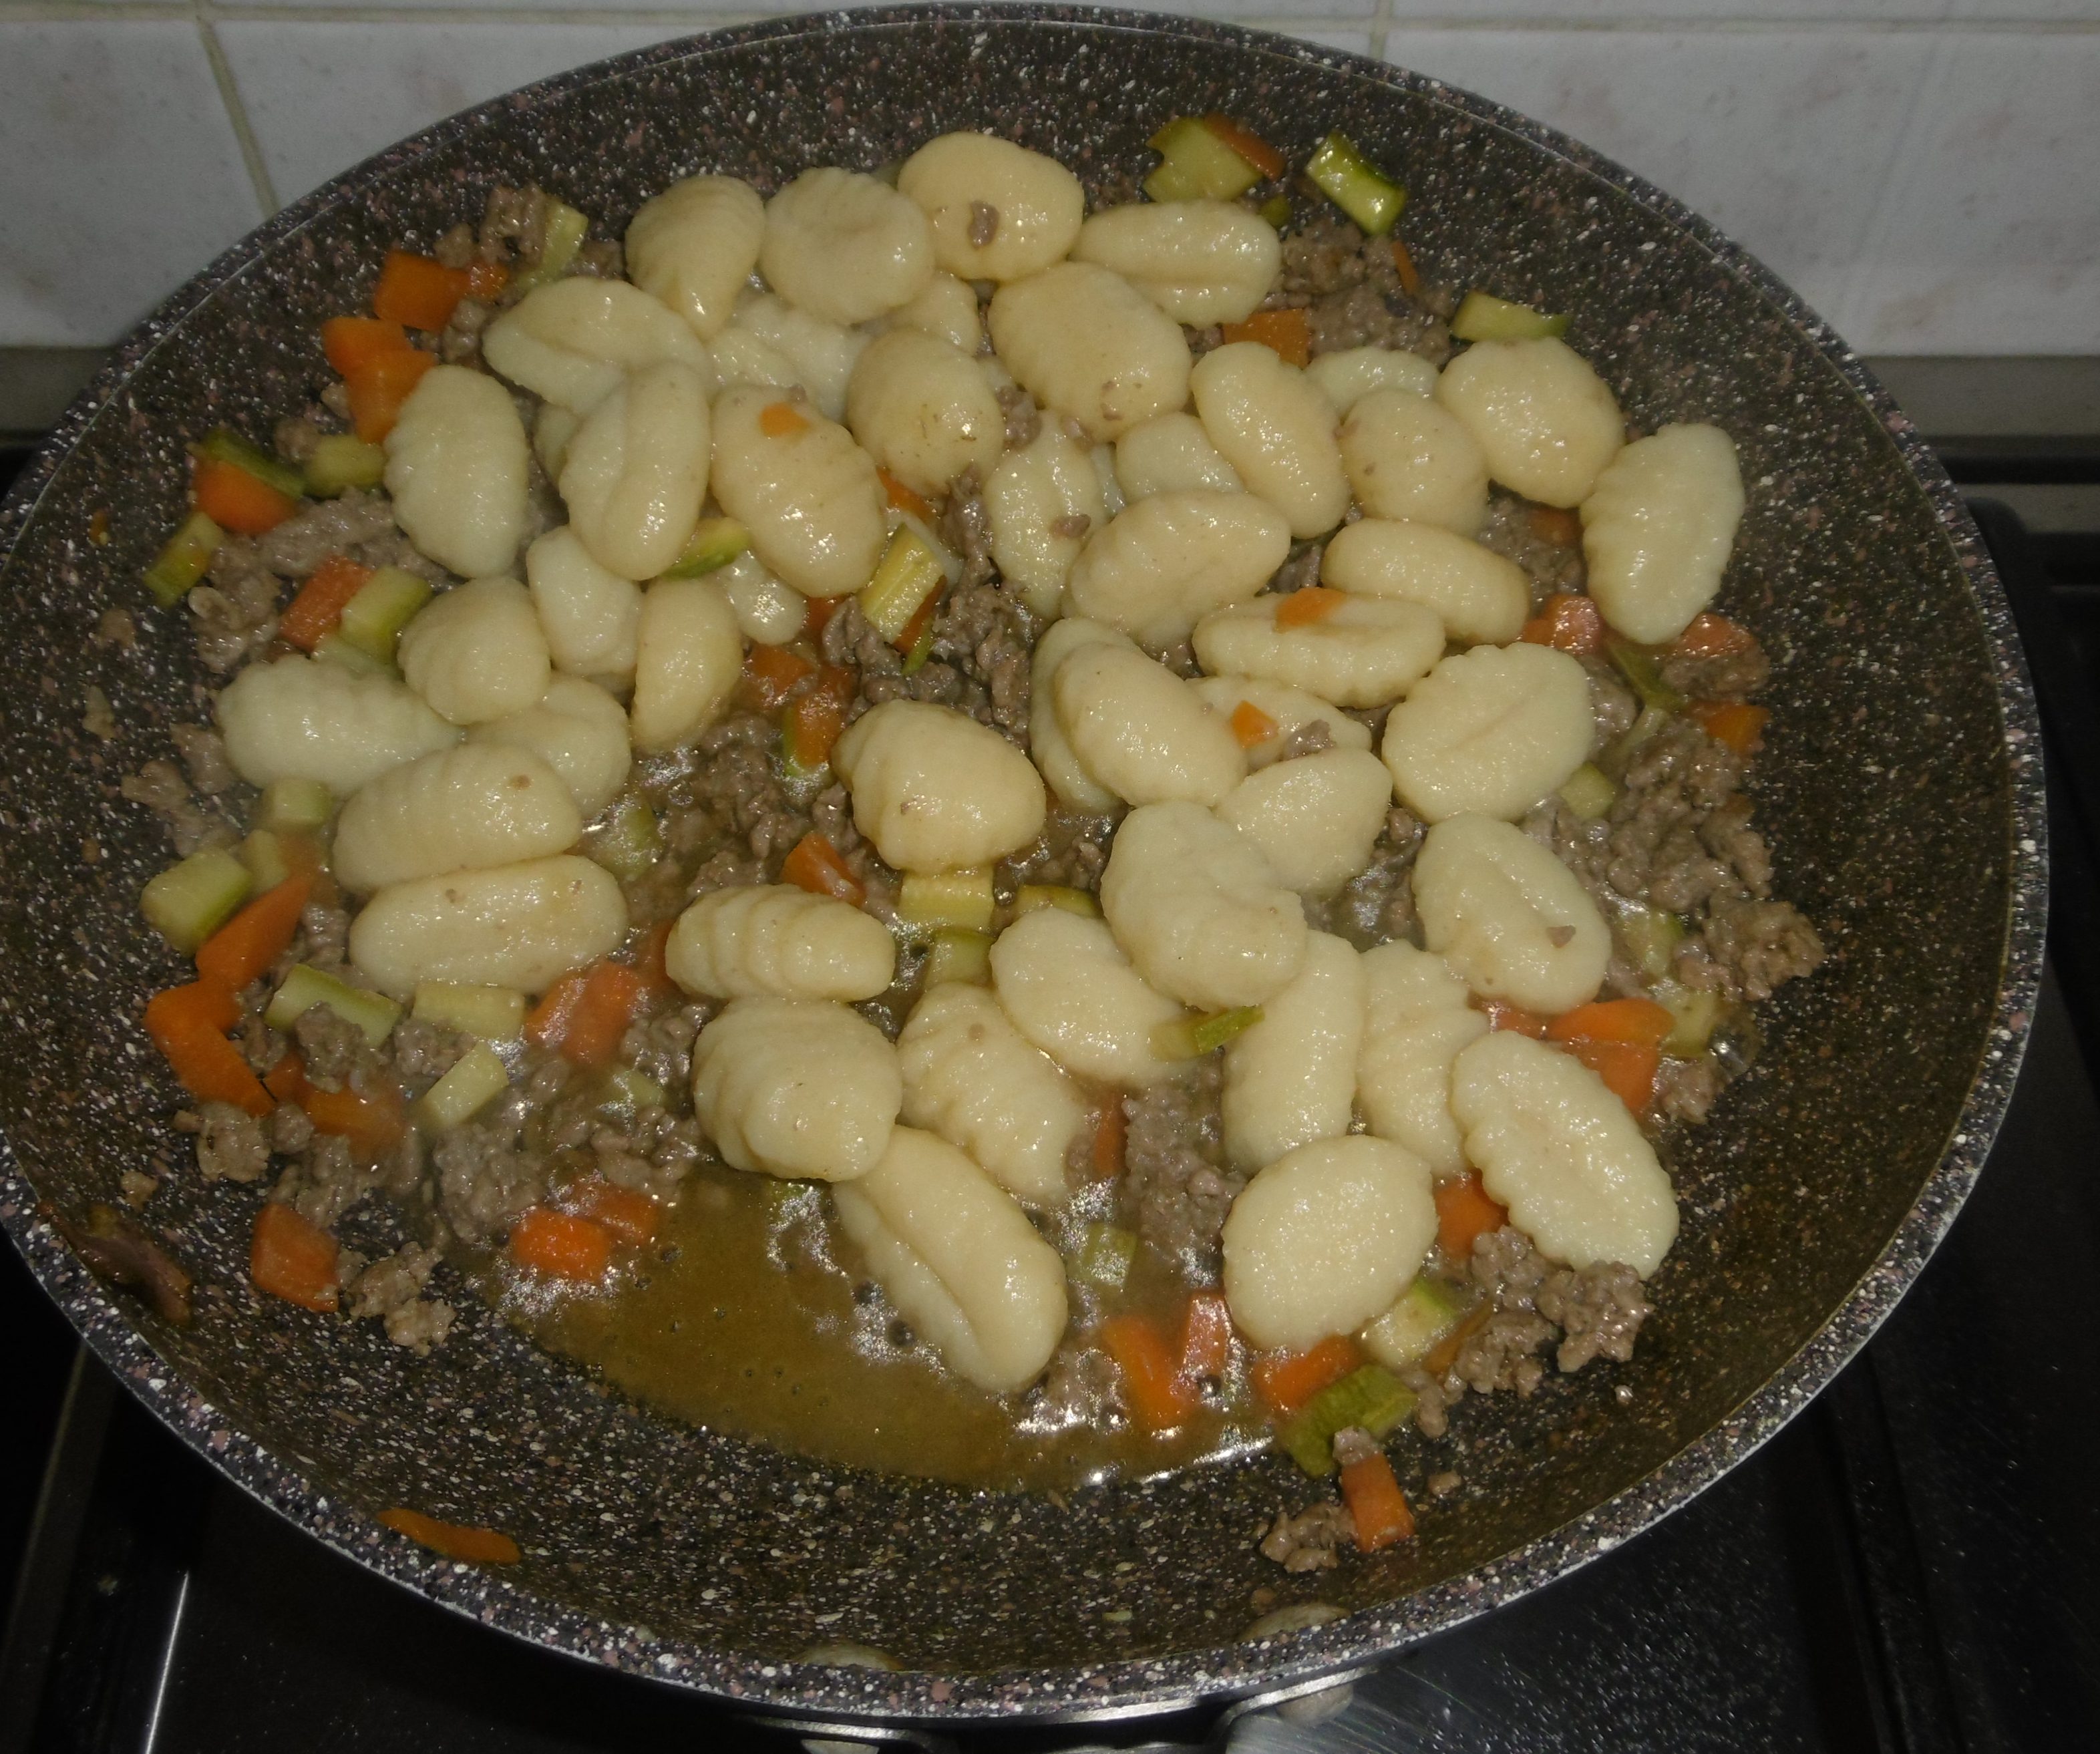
column 1316, row 817
column 477, row 652
column 688, row 657
column 1042, row 502
column 1137, row 729
column 1658, row 528
column 456, row 466
column 922, row 409
column 588, row 612
column 1545, row 422
column 1418, row 1015
column 694, row 246
column 1276, row 429
column 1201, row 262
column 946, row 308
column 819, row 355
column 958, row 1259
column 1087, row 343
column 299, row 718
column 1407, row 458
column 1512, row 921
column 573, row 341
column 1480, row 597
column 934, row 789
column 1069, row 989
column 807, row 493
column 521, row 927
column 553, row 427
column 1349, row 374
column 1171, row 453
column 463, row 809
column 844, row 246
column 636, row 472
column 1489, row 732
column 1325, row 1239
column 1167, row 560
column 580, row 731
column 1199, row 909
column 1561, row 1151
column 973, row 1078
column 769, row 612
column 1062, row 769
column 1290, row 709
column 802, row 1088
column 1291, row 1078
column 751, row 940
column 998, row 211
column 1366, row 652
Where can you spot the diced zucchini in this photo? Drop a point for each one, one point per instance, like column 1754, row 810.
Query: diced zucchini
column 1191, row 1037
column 184, row 559
column 333, row 648
column 1372, row 1399
column 960, row 953
column 385, row 603
column 908, row 573
column 292, row 805
column 565, row 230
column 1481, row 316
column 494, row 1013
column 477, row 1078
column 1652, row 719
column 960, row 898
column 263, row 854
column 1105, row 1255
column 341, row 461
column 922, row 648
column 222, row 445
column 1275, row 210
column 1695, row 1014
column 1424, row 1313
column 630, row 842
column 626, row 1088
column 1650, row 937
column 1197, row 165
column 307, row 986
column 1644, row 675
column 189, row 902
column 1035, row 895
column 714, row 543
column 1590, row 792
column 1354, row 185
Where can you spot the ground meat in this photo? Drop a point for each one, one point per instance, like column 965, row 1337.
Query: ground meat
column 1501, row 1353
column 1311, row 739
column 117, row 629
column 1208, row 339
column 295, row 436
column 1512, row 531
column 1353, row 1444
column 1300, row 568
column 98, row 719
column 1431, row 1403
column 1081, row 1388
column 299, row 545
column 602, row 258
column 965, row 526
column 984, row 224
column 1377, row 906
column 1732, row 675
column 988, row 636
column 424, row 1052
column 386, row 1285
column 725, row 805
column 229, row 1143
column 651, row 1155
column 1601, row 1308
column 1173, row 1193
column 324, row 934
column 335, row 1051
column 1023, row 421
column 662, row 1047
column 203, row 752
column 514, row 227
column 162, row 789
column 484, row 1181
column 1759, row 945
column 1612, row 705
column 235, row 612
column 420, row 1325
column 1072, row 526
column 1309, row 1542
column 325, row 1181
column 1354, row 295
column 288, row 1128
column 1071, row 850
column 461, row 342
column 1686, row 1089
column 457, row 248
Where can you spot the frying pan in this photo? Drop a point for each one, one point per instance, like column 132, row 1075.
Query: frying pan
column 1901, row 791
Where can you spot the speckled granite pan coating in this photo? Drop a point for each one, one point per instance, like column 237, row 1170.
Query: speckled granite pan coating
column 1901, row 793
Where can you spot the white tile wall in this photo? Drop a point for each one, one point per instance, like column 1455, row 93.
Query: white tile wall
column 1926, row 172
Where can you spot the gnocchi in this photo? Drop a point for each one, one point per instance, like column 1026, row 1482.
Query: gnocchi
column 1289, row 710
column 1418, row 1015
column 946, row 308
column 298, row 718
column 1315, row 817
column 636, row 471
column 750, row 941
column 456, row 466
column 998, row 211
column 1512, row 921
column 801, row 1088
column 1166, row 562
column 771, row 337
column 1171, row 453
column 462, row 809
column 1041, row 502
column 1060, row 767
column 922, row 409
column 518, row 926
column 1480, row 597
column 934, row 789
column 1545, row 422
column 807, row 493
column 1365, row 652
column 1201, row 262
column 694, row 246
column 1349, row 374
column 580, row 731
column 573, row 341
column 1088, row 344
column 1071, row 991
column 588, row 612
column 688, row 655
column 1407, row 458
column 1658, row 528
column 1489, row 732
column 844, row 246
column 1277, row 431
column 1138, row 730
column 476, row 652
column 768, row 612
column 1291, row 1078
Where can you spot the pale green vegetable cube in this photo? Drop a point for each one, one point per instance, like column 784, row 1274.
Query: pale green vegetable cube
column 291, row 806
column 494, row 1013
column 385, row 604
column 189, row 902
column 476, row 1079
column 307, row 986
column 960, row 898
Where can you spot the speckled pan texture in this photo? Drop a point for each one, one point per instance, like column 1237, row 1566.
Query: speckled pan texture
column 1901, row 792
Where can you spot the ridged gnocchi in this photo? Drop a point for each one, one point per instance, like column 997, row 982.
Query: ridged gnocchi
column 1658, row 528
column 1062, row 769
column 1199, row 909
column 771, row 341
column 1137, row 730
column 1489, row 732
column 751, row 940
column 844, row 246
column 1545, row 422
column 1042, row 502
column 553, row 427
column 959, row 1261
column 462, row 809
column 1201, row 262
column 694, row 246
column 1171, row 453
column 934, row 789
column 1407, row 458
column 973, row 1078
column 476, row 652
column 298, row 718
column 580, row 731
column 636, row 472
column 1290, row 709
column 1418, row 1015
column 587, row 612
column 518, row 926
column 769, row 612
column 688, row 656
column 1366, row 652
column 1315, row 817
column 922, row 409
column 998, row 211
column 573, row 341
column 1276, row 429
column 1512, row 921
column 1480, row 597
column 806, row 1089
column 1070, row 990
column 456, row 463
column 807, row 493
column 946, row 308
column 1325, row 1239
column 1561, row 1151
column 1165, row 562
column 1349, row 374
column 1087, row 343
column 1291, row 1078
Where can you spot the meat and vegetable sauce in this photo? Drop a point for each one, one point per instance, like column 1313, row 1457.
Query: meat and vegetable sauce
column 968, row 836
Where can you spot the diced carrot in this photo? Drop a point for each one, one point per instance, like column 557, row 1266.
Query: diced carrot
column 628, row 1215
column 1301, row 609
column 560, row 1244
column 417, row 292
column 1736, row 723
column 1463, row 1212
column 1502, row 1015
column 351, row 343
column 770, row 675
column 317, row 611
column 454, row 1540
column 1376, row 1505
column 1251, row 726
column 1286, row 1380
column 1712, row 636
column 818, row 613
column 1568, row 623
column 485, row 281
column 1111, row 1133
column 188, row 1024
column 1441, row 1356
column 1248, row 145
column 1555, row 524
column 812, row 721
column 649, row 958
column 583, row 1016
column 782, row 420
column 235, row 499
column 287, row 1080
column 373, row 1120
column 289, row 1258
column 1639, row 1020
column 1285, row 333
column 1403, row 265
column 902, row 497
column 548, row 1021
column 379, row 388
column 208, row 1005
column 1152, row 1390
column 815, row 865
column 243, row 948
column 1628, row 1069
column 1206, row 1338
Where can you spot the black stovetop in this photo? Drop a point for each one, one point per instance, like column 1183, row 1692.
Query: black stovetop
column 1912, row 1566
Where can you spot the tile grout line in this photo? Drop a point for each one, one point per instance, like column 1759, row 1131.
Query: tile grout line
column 236, row 110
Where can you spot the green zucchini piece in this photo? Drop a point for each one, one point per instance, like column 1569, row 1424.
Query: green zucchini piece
column 1371, row 1399
column 908, row 573
column 1481, row 316
column 1105, row 1255
column 1196, row 165
column 630, row 842
column 1650, row 937
column 1424, row 1313
column 307, row 986
column 294, row 805
column 960, row 898
column 1590, row 792
column 184, row 559
column 564, row 231
column 714, row 543
column 477, row 1078
column 190, row 901
column 1275, row 210
column 263, row 854
column 626, row 1088
column 1353, row 183
column 1652, row 719
column 1191, row 1038
column 960, row 953
column 385, row 603
column 1643, row 674
column 1695, row 1014
column 224, row 445
column 341, row 461
column 494, row 1013
column 1032, row 895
